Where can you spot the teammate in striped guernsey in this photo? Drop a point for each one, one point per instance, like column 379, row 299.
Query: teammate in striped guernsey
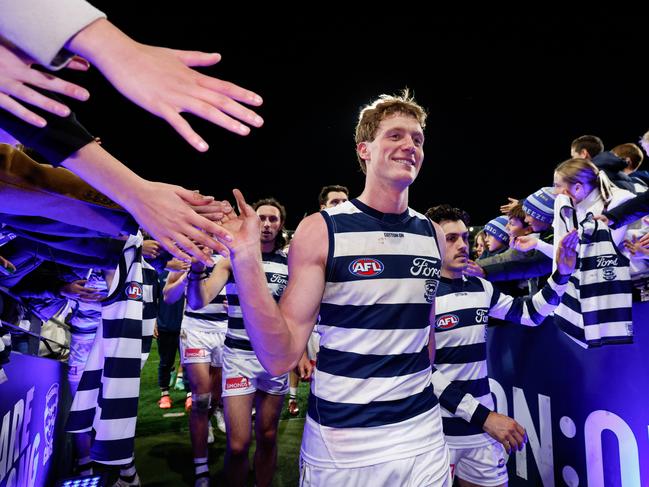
column 202, row 335
column 476, row 435
column 370, row 267
column 245, row 382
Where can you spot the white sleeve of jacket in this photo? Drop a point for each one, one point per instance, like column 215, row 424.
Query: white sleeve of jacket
column 42, row 27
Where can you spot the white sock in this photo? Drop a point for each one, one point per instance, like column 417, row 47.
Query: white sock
column 200, row 467
column 127, row 472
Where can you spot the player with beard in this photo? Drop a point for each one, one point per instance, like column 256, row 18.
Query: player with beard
column 246, row 384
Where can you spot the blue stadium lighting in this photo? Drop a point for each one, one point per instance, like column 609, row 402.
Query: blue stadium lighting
column 86, row 481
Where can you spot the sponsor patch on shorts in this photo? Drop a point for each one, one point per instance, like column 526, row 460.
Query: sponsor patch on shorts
column 236, row 383
column 195, row 353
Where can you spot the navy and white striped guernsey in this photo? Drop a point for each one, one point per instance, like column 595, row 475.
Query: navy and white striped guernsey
column 597, row 307
column 106, row 401
column 463, row 307
column 371, row 395
column 211, row 318
column 276, row 269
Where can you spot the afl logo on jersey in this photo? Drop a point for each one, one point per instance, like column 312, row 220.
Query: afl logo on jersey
column 366, row 267
column 445, row 322
column 133, row 291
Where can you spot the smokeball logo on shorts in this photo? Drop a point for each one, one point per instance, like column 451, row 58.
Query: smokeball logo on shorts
column 195, row 353
column 366, row 267
column 236, row 383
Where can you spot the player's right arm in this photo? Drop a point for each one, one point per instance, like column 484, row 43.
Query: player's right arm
column 279, row 333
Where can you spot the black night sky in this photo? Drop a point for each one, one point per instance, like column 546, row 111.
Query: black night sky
column 506, row 95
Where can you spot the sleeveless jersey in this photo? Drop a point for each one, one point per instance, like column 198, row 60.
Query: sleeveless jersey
column 371, row 395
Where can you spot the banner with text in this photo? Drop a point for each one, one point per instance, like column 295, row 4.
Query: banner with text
column 586, row 412
column 30, row 421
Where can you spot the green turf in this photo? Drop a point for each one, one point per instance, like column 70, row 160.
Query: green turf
column 162, row 449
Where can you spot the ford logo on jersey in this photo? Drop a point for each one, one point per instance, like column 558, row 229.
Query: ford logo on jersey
column 445, row 322
column 366, row 267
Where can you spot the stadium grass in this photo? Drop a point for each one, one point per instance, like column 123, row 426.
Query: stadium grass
column 163, row 454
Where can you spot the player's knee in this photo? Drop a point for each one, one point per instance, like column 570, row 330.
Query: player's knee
column 201, row 403
column 267, row 437
column 239, row 446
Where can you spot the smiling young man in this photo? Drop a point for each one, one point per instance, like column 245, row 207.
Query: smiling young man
column 476, row 435
column 369, row 267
